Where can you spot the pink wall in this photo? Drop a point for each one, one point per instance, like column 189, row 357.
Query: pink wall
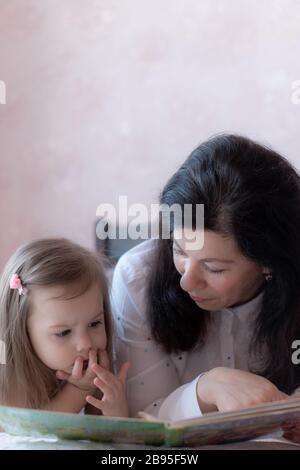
column 108, row 97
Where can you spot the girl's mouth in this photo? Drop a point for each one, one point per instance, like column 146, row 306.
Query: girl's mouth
column 85, row 364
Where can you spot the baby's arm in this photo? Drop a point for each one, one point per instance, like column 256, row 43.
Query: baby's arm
column 113, row 402
column 70, row 399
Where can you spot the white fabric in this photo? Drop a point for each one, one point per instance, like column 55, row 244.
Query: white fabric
column 161, row 384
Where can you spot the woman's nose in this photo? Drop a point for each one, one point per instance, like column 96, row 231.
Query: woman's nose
column 192, row 278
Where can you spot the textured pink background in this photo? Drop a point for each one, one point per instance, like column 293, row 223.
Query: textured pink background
column 108, row 97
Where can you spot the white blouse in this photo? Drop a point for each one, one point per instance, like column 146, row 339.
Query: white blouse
column 162, row 384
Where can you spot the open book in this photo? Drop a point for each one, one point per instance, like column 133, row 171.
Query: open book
column 212, row 428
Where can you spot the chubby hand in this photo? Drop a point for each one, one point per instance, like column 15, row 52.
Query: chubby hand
column 84, row 378
column 113, row 402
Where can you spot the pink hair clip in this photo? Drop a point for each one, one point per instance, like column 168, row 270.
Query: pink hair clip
column 16, row 283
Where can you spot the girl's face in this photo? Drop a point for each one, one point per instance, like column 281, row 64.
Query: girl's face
column 218, row 275
column 61, row 330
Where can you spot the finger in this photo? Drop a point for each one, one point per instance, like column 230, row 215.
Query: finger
column 104, row 359
column 61, row 375
column 107, row 390
column 95, row 402
column 103, row 374
column 77, row 368
column 92, row 358
column 122, row 375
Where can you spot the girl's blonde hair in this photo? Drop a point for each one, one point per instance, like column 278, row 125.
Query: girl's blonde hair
column 44, row 263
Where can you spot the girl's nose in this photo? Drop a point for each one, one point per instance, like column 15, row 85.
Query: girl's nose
column 192, row 278
column 83, row 343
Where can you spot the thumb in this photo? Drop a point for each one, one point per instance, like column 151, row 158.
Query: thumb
column 122, row 375
column 104, row 359
column 61, row 375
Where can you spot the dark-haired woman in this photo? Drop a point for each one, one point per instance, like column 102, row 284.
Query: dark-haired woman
column 212, row 328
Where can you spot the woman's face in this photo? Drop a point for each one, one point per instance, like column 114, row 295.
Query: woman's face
column 217, row 275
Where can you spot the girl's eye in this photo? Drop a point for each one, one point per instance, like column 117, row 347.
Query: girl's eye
column 63, row 333
column 94, row 324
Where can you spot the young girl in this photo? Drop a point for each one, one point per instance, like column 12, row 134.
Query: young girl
column 55, row 322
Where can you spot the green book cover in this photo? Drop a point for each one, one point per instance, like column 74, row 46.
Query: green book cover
column 213, row 428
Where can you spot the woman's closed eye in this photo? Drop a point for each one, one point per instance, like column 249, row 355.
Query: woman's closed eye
column 210, row 270
column 214, row 270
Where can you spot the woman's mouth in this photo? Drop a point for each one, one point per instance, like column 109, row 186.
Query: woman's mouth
column 199, row 299
column 85, row 364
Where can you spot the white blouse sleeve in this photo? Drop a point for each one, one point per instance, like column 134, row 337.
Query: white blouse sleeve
column 153, row 381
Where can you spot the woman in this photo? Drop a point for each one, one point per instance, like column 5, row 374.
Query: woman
column 212, row 328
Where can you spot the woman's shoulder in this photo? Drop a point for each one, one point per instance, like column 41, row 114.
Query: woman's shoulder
column 136, row 263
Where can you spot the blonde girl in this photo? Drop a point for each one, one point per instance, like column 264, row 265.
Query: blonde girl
column 55, row 322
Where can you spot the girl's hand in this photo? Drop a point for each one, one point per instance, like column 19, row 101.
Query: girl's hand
column 103, row 359
column 113, row 402
column 224, row 389
column 80, row 378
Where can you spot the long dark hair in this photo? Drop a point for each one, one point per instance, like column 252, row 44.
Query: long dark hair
column 251, row 193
